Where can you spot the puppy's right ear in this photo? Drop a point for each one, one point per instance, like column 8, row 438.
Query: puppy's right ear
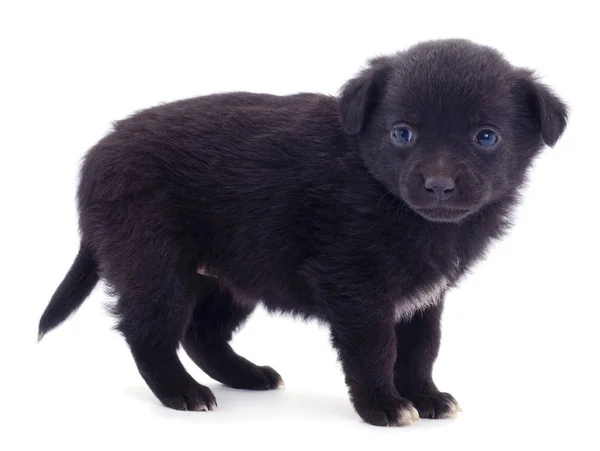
column 360, row 95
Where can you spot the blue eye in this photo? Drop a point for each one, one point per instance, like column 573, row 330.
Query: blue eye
column 402, row 136
column 486, row 138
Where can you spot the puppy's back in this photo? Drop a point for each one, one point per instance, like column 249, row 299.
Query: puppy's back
column 231, row 139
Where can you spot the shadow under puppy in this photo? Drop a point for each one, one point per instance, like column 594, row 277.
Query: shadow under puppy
column 359, row 210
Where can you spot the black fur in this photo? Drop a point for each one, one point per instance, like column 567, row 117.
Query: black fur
column 70, row 294
column 195, row 210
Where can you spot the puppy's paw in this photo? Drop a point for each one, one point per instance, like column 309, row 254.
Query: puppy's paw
column 272, row 378
column 436, row 405
column 192, row 397
column 395, row 411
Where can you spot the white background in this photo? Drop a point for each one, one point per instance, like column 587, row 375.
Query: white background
column 521, row 335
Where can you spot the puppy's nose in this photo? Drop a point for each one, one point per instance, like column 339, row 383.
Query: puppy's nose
column 440, row 188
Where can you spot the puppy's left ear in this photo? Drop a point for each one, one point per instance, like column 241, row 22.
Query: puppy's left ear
column 549, row 113
column 360, row 95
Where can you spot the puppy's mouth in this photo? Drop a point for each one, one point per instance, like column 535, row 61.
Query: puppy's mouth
column 444, row 199
column 443, row 214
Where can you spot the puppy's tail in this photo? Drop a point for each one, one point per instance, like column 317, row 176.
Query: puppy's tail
column 70, row 294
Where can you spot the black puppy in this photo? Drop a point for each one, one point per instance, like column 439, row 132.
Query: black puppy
column 360, row 211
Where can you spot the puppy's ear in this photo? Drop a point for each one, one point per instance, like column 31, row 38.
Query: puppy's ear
column 548, row 112
column 360, row 95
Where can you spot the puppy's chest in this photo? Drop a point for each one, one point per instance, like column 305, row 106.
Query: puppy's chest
column 422, row 290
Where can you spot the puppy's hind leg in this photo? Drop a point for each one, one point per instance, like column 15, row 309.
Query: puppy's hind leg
column 153, row 315
column 213, row 322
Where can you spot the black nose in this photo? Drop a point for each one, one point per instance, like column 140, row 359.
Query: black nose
column 440, row 188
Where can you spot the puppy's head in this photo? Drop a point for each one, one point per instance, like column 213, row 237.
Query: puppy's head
column 450, row 126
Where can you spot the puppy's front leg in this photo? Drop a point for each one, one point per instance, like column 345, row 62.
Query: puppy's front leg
column 366, row 344
column 418, row 343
